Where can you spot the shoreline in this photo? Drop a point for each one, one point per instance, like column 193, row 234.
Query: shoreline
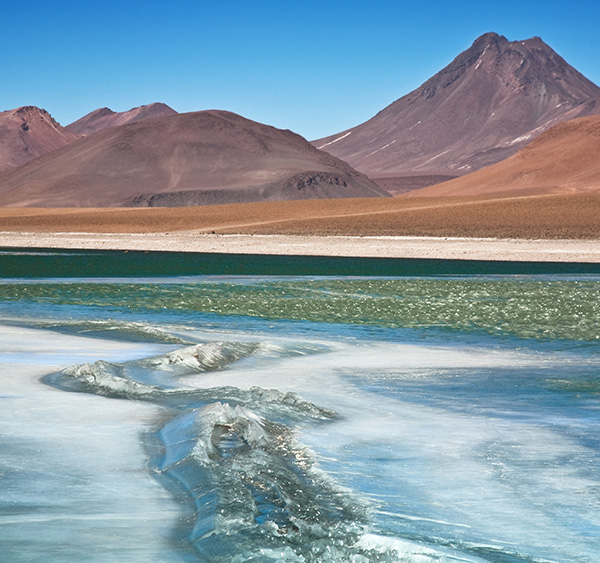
column 445, row 248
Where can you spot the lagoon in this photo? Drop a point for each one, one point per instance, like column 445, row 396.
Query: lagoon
column 254, row 417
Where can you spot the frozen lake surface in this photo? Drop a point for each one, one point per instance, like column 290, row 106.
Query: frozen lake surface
column 290, row 419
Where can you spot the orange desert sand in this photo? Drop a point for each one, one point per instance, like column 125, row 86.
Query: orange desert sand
column 536, row 228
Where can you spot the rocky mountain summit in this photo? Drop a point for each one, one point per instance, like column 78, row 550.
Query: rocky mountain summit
column 490, row 101
column 28, row 132
column 105, row 117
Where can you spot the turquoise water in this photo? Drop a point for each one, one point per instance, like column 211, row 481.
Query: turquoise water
column 298, row 418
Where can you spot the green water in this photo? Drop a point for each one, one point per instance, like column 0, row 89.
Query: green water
column 43, row 263
column 525, row 308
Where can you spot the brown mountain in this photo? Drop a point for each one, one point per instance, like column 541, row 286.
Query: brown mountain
column 486, row 104
column 186, row 159
column 563, row 160
column 28, row 132
column 104, row 117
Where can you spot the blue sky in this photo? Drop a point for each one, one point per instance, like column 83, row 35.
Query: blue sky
column 315, row 67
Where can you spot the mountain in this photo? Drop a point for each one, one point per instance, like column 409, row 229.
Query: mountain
column 104, row 117
column 196, row 158
column 485, row 105
column 563, row 160
column 28, row 132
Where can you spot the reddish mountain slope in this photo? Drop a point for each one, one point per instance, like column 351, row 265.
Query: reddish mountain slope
column 28, row 132
column 565, row 159
column 490, row 101
column 104, row 117
column 189, row 159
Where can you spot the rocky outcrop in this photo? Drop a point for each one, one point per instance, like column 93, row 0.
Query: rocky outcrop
column 28, row 132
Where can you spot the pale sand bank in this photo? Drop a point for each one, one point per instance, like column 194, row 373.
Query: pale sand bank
column 356, row 246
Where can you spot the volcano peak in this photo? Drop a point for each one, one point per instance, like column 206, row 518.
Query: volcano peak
column 492, row 99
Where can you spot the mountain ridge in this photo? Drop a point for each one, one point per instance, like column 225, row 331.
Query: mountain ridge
column 562, row 160
column 482, row 107
column 195, row 158
column 103, row 118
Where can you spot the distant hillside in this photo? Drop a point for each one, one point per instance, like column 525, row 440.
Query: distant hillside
column 489, row 102
column 28, row 132
column 563, row 160
column 185, row 159
column 104, row 117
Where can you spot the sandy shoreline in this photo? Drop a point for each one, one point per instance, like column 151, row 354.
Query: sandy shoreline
column 356, row 246
column 550, row 228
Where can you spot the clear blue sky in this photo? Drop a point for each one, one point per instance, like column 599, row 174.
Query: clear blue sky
column 315, row 67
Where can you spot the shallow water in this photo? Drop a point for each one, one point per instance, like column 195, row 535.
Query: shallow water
column 301, row 419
